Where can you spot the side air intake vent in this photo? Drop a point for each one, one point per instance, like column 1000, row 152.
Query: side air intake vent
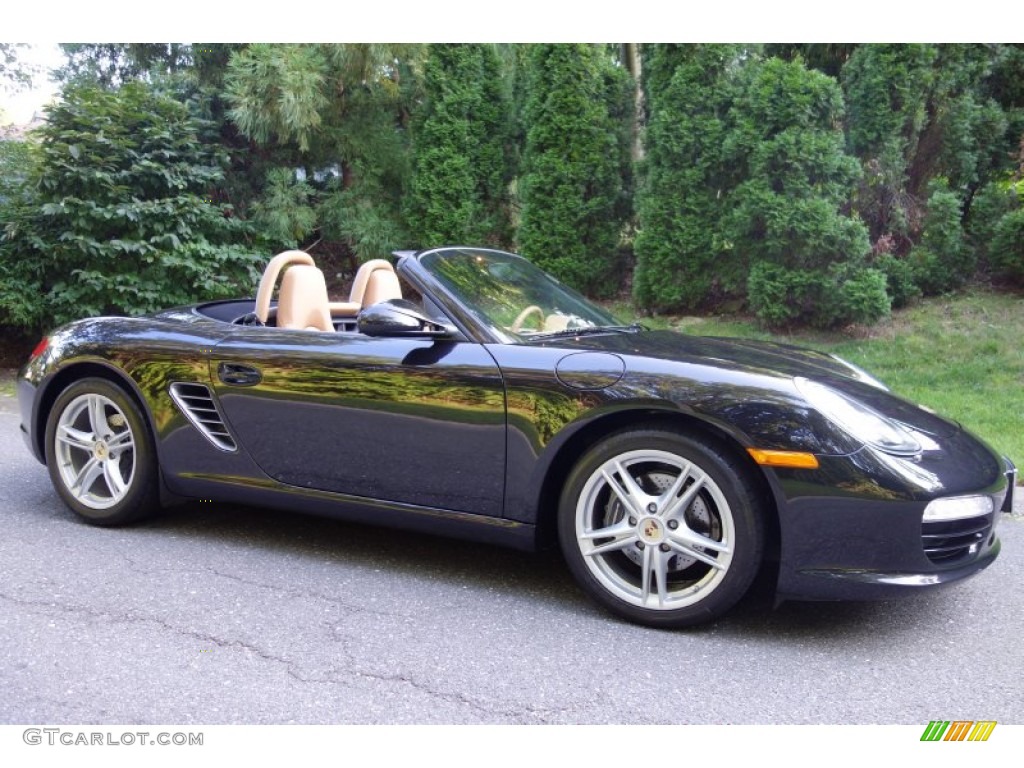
column 197, row 403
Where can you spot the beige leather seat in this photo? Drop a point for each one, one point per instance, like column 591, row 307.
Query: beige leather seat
column 555, row 323
column 375, row 281
column 302, row 302
column 269, row 279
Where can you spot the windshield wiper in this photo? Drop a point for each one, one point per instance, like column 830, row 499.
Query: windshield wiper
column 591, row 330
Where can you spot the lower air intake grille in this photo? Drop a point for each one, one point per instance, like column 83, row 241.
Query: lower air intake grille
column 197, row 403
column 950, row 540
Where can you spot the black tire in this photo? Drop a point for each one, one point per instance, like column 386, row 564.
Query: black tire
column 100, row 454
column 692, row 519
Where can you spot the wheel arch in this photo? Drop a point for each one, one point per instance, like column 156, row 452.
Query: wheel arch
column 67, row 376
column 570, row 452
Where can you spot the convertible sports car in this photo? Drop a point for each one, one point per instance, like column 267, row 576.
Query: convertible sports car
column 471, row 394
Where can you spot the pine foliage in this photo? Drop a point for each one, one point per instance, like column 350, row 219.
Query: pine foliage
column 747, row 175
column 683, row 259
column 573, row 185
column 461, row 160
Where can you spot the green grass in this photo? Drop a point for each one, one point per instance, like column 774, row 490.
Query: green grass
column 961, row 355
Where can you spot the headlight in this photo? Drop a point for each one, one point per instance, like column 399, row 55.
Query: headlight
column 957, row 508
column 861, row 374
column 858, row 420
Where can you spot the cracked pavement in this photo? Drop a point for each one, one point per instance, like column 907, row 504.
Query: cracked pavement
column 216, row 614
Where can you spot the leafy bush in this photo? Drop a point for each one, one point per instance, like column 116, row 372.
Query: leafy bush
column 783, row 297
column 1006, row 252
column 942, row 261
column 990, row 204
column 20, row 275
column 15, row 166
column 899, row 277
column 124, row 217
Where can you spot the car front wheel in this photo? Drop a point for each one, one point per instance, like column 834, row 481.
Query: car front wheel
column 100, row 455
column 660, row 528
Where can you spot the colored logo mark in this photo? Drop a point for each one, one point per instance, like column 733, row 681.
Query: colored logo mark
column 958, row 730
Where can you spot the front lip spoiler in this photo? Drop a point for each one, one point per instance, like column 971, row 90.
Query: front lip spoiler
column 881, row 584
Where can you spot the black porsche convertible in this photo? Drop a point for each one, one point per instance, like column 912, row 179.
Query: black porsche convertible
column 465, row 392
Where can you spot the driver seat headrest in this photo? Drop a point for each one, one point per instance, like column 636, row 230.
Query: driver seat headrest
column 374, row 282
column 303, row 301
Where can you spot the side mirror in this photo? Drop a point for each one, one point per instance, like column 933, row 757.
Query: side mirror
column 399, row 317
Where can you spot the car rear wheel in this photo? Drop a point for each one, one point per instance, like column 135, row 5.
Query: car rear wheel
column 100, row 454
column 660, row 528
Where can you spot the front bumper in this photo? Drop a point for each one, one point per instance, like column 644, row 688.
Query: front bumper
column 843, row 548
column 853, row 584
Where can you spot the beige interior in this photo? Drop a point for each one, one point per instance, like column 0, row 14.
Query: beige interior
column 375, row 281
column 269, row 279
column 303, row 300
column 555, row 323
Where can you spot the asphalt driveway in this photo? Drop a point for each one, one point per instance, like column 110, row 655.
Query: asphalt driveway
column 222, row 614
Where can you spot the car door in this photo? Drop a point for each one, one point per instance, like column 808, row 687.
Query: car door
column 409, row 420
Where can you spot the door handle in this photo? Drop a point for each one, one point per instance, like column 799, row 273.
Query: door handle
column 239, row 375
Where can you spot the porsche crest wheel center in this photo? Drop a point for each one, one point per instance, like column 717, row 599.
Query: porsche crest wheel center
column 651, row 530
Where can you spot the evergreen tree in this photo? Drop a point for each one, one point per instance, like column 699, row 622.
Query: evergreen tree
column 746, row 182
column 573, row 185
column 461, row 158
column 941, row 262
column 1007, row 250
column 886, row 88
column 340, row 113
column 1005, row 84
column 786, row 214
column 829, row 58
column 917, row 113
column 683, row 262
column 786, row 146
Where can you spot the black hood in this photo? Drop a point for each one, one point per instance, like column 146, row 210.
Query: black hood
column 761, row 358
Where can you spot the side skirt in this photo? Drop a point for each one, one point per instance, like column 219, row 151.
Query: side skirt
column 410, row 517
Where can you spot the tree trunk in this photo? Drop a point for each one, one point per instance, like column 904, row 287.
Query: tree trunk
column 631, row 60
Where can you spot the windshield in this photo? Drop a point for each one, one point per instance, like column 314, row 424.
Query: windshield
column 513, row 298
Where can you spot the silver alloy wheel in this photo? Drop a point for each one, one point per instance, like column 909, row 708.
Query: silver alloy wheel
column 95, row 451
column 654, row 529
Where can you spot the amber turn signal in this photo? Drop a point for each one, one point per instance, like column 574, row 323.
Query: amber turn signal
column 794, row 459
